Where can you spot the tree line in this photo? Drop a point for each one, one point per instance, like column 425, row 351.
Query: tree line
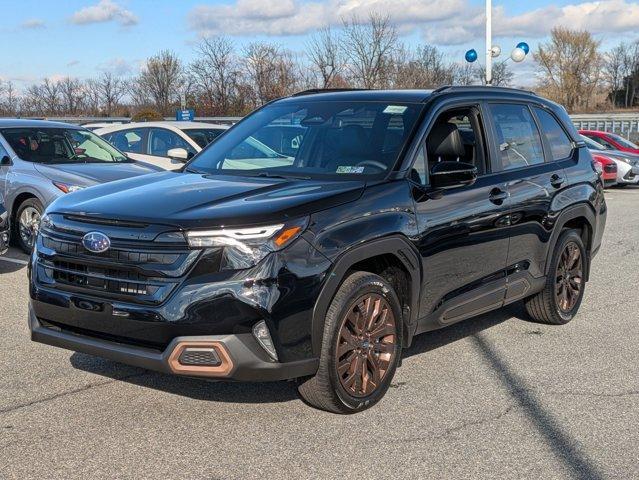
column 223, row 79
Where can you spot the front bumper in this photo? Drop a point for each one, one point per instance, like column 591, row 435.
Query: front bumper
column 242, row 357
column 627, row 174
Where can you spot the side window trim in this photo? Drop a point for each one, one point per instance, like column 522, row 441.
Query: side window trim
column 548, row 156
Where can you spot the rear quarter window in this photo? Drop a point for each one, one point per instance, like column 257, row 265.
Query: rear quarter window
column 556, row 137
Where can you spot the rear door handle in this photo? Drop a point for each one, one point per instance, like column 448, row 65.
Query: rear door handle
column 497, row 196
column 557, row 180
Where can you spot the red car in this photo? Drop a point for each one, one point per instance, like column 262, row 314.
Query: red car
column 611, row 141
column 607, row 168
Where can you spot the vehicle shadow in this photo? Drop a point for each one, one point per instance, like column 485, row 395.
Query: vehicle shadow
column 8, row 267
column 266, row 392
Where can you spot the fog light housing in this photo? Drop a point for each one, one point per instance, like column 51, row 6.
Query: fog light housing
column 263, row 336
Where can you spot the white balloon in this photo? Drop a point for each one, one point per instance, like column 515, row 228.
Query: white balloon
column 495, row 51
column 518, row 55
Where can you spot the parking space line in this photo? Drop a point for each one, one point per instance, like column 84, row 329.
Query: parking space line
column 14, row 260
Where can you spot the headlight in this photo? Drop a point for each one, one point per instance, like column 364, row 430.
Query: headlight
column 68, row 188
column 246, row 247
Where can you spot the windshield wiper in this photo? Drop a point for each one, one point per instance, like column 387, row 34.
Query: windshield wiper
column 277, row 175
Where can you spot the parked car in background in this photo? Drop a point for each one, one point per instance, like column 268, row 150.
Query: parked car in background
column 96, row 125
column 611, row 141
column 627, row 163
column 284, row 139
column 167, row 145
column 607, row 169
column 401, row 212
column 4, row 229
column 41, row 161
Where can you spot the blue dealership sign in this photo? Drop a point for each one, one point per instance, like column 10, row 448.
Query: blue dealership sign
column 185, row 115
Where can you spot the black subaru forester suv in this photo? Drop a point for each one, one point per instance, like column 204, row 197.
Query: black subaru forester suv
column 391, row 213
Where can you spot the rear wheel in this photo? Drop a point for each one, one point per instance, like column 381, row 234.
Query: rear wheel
column 28, row 223
column 361, row 346
column 561, row 297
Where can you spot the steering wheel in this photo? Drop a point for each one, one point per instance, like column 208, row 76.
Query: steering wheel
column 372, row 163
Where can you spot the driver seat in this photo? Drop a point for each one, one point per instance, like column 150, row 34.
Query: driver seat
column 445, row 144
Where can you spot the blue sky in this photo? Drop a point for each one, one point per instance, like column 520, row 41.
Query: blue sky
column 79, row 38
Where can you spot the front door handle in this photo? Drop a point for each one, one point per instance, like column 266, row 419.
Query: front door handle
column 557, row 180
column 497, row 196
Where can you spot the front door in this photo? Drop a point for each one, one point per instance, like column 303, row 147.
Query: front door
column 463, row 231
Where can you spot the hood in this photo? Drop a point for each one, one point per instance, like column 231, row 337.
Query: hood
column 188, row 200
column 88, row 174
column 618, row 155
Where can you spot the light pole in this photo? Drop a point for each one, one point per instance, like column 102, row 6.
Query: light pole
column 493, row 51
column 489, row 42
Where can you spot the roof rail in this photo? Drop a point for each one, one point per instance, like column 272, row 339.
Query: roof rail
column 471, row 88
column 312, row 91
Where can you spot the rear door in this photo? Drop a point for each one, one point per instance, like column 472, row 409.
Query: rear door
column 531, row 163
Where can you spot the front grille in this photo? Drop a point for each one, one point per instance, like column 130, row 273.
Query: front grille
column 144, row 272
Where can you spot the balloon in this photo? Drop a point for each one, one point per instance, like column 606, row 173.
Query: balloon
column 524, row 46
column 495, row 51
column 471, row 55
column 518, row 54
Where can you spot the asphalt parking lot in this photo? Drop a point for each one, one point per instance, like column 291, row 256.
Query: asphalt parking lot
column 493, row 397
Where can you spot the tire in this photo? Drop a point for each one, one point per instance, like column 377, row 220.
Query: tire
column 328, row 389
column 551, row 305
column 25, row 233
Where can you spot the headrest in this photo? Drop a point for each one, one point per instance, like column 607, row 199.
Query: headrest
column 445, row 140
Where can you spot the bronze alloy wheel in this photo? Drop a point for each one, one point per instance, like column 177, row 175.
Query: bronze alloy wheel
column 366, row 345
column 569, row 280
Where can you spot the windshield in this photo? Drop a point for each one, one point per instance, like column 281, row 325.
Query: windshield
column 60, row 145
column 203, row 136
column 337, row 139
column 623, row 142
column 592, row 145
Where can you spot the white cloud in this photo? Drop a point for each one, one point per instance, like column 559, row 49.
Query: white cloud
column 104, row 11
column 450, row 22
column 291, row 17
column 73, row 63
column 33, row 24
column 117, row 66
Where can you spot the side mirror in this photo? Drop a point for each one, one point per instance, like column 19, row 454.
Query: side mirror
column 5, row 161
column 452, row 174
column 178, row 154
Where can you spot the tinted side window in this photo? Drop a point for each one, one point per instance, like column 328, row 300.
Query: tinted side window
column 517, row 136
column 127, row 140
column 602, row 141
column 560, row 144
column 162, row 140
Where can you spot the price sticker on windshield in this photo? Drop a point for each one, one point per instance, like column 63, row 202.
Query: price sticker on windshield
column 395, row 109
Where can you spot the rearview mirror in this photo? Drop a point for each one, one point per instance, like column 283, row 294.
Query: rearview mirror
column 5, row 161
column 452, row 174
column 178, row 154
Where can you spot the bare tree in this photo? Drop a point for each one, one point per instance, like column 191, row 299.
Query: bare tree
column 369, row 48
column 71, row 96
column 162, row 77
column 215, row 74
column 424, row 68
column 50, row 95
column 465, row 74
column 327, row 56
column 270, row 70
column 502, row 75
column 111, row 89
column 614, row 70
column 8, row 99
column 570, row 67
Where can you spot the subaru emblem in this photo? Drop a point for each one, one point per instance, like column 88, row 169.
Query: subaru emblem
column 96, row 242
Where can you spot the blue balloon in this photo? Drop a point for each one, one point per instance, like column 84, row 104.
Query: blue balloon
column 471, row 55
column 524, row 46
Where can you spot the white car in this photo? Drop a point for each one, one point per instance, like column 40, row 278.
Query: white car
column 627, row 163
column 94, row 126
column 167, row 145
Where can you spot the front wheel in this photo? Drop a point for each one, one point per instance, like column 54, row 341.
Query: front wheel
column 361, row 346
column 559, row 301
column 28, row 223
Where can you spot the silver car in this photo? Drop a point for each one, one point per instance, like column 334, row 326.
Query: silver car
column 41, row 161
